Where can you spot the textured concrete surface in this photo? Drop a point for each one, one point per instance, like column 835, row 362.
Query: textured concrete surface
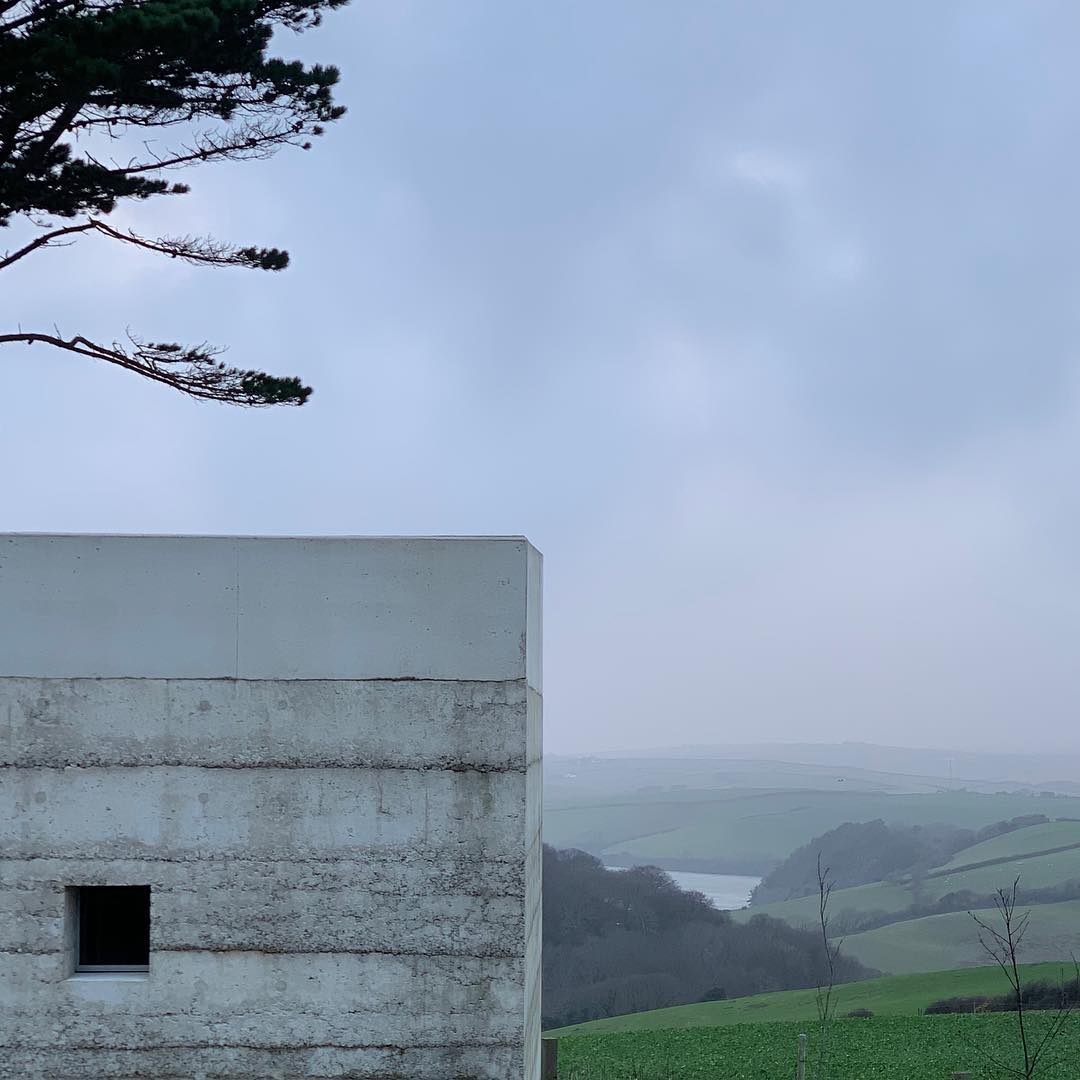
column 323, row 756
column 265, row 608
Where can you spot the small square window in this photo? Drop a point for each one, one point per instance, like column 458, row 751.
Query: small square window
column 112, row 924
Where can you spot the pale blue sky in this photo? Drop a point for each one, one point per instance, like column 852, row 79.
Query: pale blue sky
column 760, row 320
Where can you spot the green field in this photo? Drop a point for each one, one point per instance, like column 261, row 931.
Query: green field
column 761, row 825
column 950, row 941
column 1034, row 872
column 1020, row 842
column 896, row 995
column 883, row 1048
column 879, row 896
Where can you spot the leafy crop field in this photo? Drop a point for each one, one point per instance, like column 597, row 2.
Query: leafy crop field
column 897, row 995
column 883, row 1048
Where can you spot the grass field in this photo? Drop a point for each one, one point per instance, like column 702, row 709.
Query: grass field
column 1021, row 842
column 879, row 896
column 1034, row 872
column 950, row 941
column 883, row 1048
column 765, row 825
column 896, row 995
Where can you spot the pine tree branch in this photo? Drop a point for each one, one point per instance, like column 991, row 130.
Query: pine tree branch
column 48, row 240
column 48, row 139
column 202, row 251
column 240, row 146
column 106, row 66
column 43, row 9
column 193, row 370
column 37, row 11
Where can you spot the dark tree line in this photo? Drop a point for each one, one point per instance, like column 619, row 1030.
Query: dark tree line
column 629, row 940
column 1039, row 996
column 1000, row 828
column 858, row 853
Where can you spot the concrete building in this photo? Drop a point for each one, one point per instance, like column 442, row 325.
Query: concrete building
column 269, row 807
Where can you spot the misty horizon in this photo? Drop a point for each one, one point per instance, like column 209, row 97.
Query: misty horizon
column 954, row 764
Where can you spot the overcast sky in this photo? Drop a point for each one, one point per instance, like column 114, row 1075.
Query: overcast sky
column 761, row 320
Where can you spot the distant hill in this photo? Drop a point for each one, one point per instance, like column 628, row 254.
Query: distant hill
column 1043, row 856
column 857, row 853
column 748, row 831
column 1050, row 771
column 744, row 815
column 1011, row 845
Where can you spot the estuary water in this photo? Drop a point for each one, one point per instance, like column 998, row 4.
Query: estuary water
column 726, row 891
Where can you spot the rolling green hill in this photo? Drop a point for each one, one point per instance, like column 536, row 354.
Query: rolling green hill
column 1035, row 838
column 896, row 995
column 981, row 869
column 1035, row 872
column 735, row 830
column 803, row 911
column 938, row 942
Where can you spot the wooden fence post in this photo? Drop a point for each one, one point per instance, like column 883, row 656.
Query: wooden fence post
column 549, row 1059
column 801, row 1071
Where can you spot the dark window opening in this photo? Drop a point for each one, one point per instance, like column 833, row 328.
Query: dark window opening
column 113, row 928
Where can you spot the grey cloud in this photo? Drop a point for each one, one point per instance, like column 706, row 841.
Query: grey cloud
column 758, row 319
